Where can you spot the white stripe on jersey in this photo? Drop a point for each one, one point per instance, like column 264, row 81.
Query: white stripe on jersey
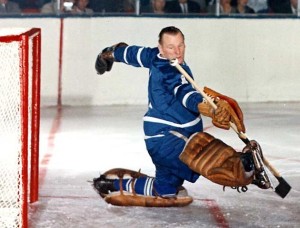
column 153, row 136
column 138, row 56
column 186, row 97
column 156, row 120
column 179, row 135
column 125, row 54
column 176, row 89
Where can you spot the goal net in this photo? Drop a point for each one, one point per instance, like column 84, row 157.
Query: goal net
column 20, row 54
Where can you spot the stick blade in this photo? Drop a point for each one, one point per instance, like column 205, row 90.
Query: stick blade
column 283, row 188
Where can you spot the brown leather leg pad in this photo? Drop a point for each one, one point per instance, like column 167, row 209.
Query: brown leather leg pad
column 215, row 160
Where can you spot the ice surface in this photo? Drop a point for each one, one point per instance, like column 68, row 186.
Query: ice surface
column 79, row 143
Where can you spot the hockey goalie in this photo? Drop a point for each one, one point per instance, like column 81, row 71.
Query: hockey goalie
column 174, row 136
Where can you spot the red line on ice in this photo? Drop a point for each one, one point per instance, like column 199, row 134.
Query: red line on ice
column 216, row 212
column 51, row 142
column 47, row 157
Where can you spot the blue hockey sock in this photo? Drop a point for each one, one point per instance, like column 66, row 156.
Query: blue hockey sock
column 141, row 185
column 144, row 186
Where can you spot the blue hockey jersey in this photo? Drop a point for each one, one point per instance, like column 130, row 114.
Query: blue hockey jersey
column 172, row 99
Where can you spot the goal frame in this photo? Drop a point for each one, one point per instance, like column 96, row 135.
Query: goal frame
column 29, row 190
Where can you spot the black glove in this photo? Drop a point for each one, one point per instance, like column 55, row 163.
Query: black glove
column 105, row 59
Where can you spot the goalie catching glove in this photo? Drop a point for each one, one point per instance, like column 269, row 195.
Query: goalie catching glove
column 105, row 59
column 227, row 111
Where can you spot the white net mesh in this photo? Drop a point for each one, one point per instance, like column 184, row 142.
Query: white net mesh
column 10, row 136
column 11, row 174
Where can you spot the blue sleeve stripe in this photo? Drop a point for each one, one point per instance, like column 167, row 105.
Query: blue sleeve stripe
column 186, row 97
column 139, row 57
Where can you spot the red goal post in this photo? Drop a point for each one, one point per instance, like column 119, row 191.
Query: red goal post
column 20, row 68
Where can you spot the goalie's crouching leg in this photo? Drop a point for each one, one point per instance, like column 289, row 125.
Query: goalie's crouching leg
column 122, row 187
column 217, row 161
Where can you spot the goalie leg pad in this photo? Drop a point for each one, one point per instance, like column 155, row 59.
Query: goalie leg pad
column 215, row 160
column 129, row 199
column 125, row 198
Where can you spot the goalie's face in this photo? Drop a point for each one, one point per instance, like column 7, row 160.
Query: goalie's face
column 172, row 46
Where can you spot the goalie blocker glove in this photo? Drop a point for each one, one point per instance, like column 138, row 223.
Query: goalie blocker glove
column 105, row 59
column 228, row 110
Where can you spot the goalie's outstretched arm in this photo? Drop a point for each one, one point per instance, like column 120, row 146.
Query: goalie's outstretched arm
column 136, row 56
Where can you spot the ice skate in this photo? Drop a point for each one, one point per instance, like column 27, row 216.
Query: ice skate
column 103, row 185
column 261, row 178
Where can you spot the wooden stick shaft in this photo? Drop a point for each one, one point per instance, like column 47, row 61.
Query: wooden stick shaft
column 200, row 90
column 271, row 167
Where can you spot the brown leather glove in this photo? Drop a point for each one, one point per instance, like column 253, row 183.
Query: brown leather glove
column 227, row 111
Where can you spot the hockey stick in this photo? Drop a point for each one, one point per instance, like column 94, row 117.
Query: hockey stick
column 283, row 187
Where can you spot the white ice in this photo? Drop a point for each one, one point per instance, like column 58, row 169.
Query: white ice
column 79, row 143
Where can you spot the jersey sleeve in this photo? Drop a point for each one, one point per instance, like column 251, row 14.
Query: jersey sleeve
column 189, row 98
column 136, row 56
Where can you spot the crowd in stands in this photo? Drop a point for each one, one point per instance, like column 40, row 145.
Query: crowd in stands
column 180, row 7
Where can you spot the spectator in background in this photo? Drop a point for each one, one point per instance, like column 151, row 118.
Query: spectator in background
column 9, row 7
column 242, row 7
column 112, row 6
column 283, row 6
column 294, row 6
column 211, row 6
column 49, row 7
column 28, row 4
column 226, row 7
column 203, row 5
column 182, row 6
column 81, row 7
column 40, row 3
column 128, row 6
column 155, row 6
column 66, row 6
column 105, row 6
column 259, row 6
